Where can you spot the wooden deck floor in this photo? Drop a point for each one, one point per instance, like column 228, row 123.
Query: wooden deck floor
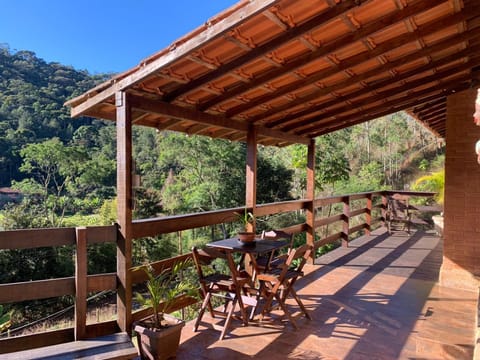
column 377, row 299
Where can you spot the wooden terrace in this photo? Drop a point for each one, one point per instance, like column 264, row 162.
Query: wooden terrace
column 282, row 72
column 378, row 298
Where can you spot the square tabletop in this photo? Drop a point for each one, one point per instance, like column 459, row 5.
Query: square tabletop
column 258, row 246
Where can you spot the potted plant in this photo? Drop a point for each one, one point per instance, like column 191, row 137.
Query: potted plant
column 159, row 335
column 247, row 220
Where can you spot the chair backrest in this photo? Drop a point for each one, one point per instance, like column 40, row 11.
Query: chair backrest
column 299, row 256
column 205, row 257
column 295, row 262
column 398, row 206
column 275, row 235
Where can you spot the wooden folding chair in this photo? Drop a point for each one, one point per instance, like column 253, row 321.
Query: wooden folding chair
column 398, row 213
column 274, row 259
column 214, row 284
column 278, row 282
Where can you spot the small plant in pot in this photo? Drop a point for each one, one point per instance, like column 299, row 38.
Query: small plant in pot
column 159, row 335
column 247, row 220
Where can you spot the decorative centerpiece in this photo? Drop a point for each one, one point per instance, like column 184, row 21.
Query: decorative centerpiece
column 247, row 219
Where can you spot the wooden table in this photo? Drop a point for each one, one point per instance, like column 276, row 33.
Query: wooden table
column 249, row 253
column 258, row 246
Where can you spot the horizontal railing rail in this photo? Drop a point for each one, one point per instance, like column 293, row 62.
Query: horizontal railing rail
column 349, row 220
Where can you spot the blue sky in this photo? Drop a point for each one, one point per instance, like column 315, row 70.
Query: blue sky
column 100, row 35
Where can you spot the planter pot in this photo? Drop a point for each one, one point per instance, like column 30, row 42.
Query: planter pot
column 246, row 237
column 160, row 344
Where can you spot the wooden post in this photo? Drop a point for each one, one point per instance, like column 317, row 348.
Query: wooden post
column 310, row 196
column 251, row 172
column 368, row 215
column 346, row 220
column 384, row 209
column 124, row 211
column 81, row 283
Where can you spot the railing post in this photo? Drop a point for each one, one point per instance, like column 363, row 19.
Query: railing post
column 81, row 283
column 384, row 208
column 346, row 220
column 368, row 214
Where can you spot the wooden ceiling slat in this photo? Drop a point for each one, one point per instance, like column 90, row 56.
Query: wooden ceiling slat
column 390, row 93
column 290, row 122
column 396, row 105
column 240, row 16
column 440, row 107
column 427, row 105
column 314, row 55
column 306, row 69
column 259, row 118
column 266, row 48
column 357, row 78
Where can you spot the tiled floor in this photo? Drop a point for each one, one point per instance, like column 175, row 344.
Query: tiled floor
column 377, row 299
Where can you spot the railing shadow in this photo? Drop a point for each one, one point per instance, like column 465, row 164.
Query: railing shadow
column 377, row 323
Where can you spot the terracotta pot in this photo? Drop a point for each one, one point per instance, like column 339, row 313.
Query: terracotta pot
column 246, row 237
column 160, row 344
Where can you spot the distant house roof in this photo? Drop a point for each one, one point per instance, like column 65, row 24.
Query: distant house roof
column 9, row 191
column 298, row 69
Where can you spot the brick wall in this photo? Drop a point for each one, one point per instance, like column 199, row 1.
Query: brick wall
column 461, row 257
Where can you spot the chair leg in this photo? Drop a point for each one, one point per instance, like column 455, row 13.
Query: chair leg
column 286, row 312
column 228, row 319
column 300, row 303
column 205, row 304
column 243, row 311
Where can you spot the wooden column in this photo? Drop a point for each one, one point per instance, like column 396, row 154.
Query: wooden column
column 310, row 196
column 251, row 172
column 124, row 211
column 81, row 283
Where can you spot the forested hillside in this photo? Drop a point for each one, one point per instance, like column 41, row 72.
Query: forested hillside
column 66, row 167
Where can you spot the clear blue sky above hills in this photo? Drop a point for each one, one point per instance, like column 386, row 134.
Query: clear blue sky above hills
column 100, row 35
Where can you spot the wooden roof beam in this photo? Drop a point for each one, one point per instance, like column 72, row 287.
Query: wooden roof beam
column 292, row 120
column 351, row 81
column 238, row 17
column 181, row 113
column 390, row 107
column 427, row 105
column 432, row 110
column 326, row 49
column 404, row 103
column 436, row 26
column 267, row 47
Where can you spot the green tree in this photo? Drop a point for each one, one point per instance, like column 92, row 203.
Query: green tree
column 53, row 167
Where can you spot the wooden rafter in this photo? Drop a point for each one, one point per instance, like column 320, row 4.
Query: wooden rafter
column 297, row 71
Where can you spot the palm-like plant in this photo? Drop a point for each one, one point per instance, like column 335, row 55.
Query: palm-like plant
column 164, row 288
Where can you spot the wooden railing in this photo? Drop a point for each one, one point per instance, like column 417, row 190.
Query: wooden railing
column 356, row 215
